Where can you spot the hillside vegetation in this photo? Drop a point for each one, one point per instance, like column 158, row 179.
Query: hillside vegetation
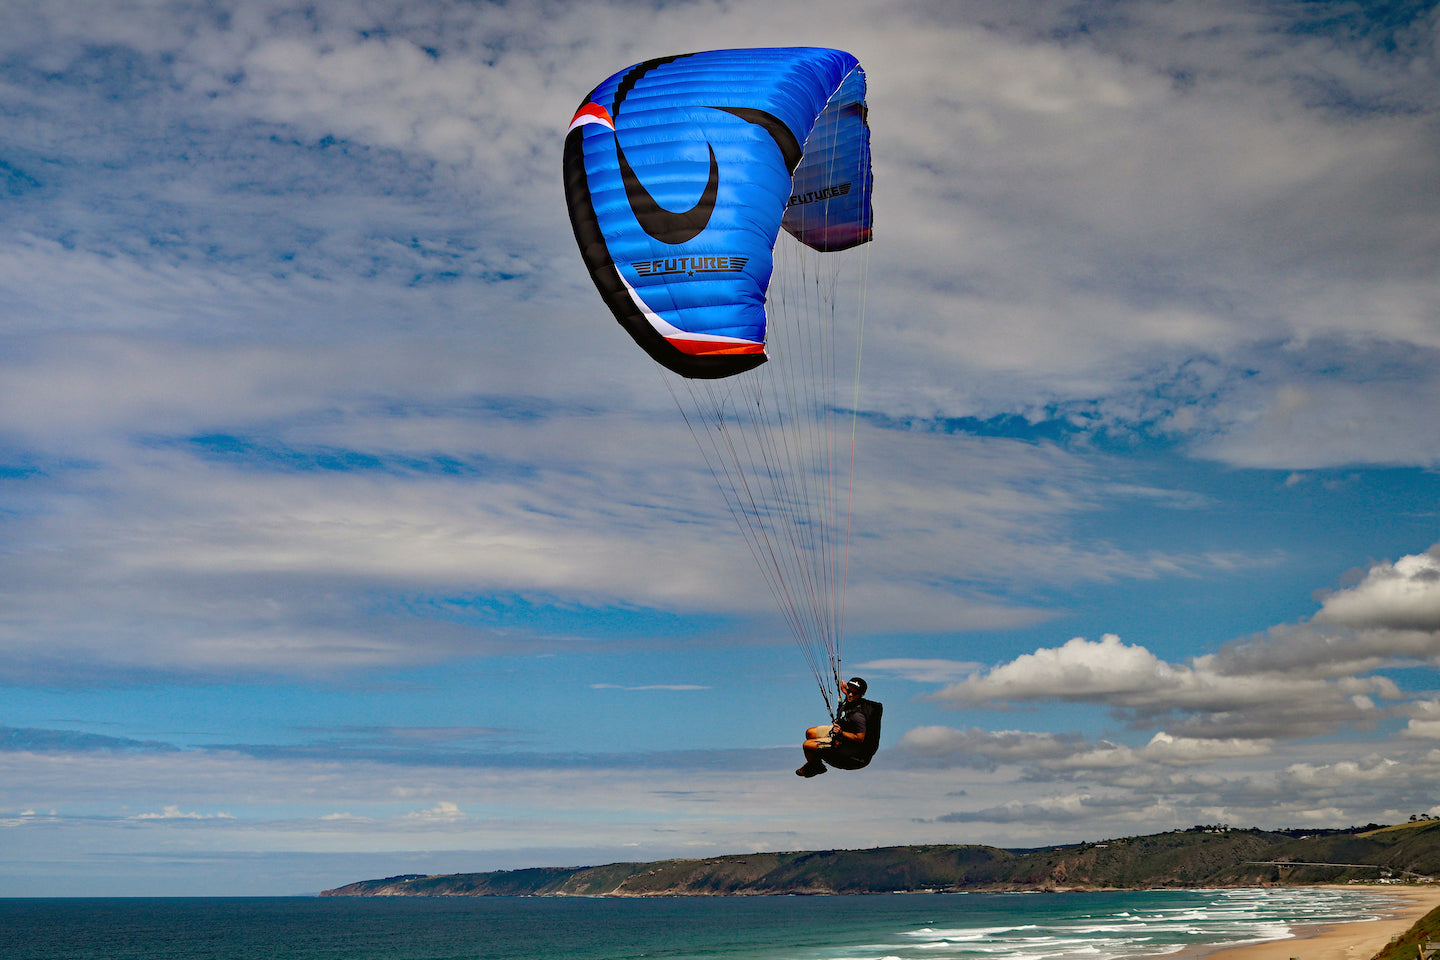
column 1200, row 856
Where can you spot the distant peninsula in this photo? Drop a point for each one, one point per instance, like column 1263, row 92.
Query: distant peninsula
column 1201, row 856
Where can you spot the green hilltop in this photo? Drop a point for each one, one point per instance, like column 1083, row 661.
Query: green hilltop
column 1202, row 856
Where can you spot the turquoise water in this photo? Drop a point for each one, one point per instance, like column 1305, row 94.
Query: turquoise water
column 1033, row 926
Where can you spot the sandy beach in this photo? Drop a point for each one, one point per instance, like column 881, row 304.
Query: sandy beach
column 1347, row 941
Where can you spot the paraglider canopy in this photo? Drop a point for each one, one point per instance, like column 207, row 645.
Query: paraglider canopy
column 680, row 173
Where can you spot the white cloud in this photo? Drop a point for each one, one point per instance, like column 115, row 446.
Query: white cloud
column 1212, row 696
column 172, row 811
column 1079, row 670
column 1184, row 751
column 1391, row 616
column 1058, row 753
column 981, row 747
column 443, row 812
column 1343, row 772
column 1402, row 596
column 1423, row 728
column 1296, row 680
column 1061, row 809
column 1424, row 719
column 1163, row 750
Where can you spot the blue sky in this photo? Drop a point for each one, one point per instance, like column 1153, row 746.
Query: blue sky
column 343, row 534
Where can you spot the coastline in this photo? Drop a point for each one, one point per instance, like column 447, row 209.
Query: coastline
column 1359, row 940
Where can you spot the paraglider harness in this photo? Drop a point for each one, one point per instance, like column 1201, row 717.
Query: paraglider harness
column 853, row 758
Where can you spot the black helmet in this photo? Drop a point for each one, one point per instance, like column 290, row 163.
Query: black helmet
column 858, row 685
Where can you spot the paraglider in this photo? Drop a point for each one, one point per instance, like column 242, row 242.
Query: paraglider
column 721, row 201
column 852, row 738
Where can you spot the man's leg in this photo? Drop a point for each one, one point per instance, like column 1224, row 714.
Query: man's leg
column 816, row 739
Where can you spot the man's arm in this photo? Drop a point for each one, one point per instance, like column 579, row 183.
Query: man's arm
column 855, row 736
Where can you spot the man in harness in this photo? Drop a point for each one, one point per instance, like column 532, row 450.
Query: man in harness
column 851, row 740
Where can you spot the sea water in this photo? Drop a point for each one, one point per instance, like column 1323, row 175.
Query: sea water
column 975, row 926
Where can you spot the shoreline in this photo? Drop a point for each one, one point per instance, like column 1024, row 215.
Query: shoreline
column 1357, row 940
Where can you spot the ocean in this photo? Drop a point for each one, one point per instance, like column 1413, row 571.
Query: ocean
column 972, row 926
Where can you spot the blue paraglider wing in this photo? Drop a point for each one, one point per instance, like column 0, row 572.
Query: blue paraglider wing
column 681, row 171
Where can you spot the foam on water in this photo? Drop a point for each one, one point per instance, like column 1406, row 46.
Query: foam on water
column 1121, row 926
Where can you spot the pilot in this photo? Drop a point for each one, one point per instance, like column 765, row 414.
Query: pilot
column 849, row 742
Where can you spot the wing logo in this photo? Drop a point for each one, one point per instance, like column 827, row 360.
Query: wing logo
column 815, row 196
column 689, row 265
column 675, row 227
column 669, row 226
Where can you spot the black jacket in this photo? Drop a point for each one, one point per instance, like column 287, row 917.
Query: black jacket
column 854, row 716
